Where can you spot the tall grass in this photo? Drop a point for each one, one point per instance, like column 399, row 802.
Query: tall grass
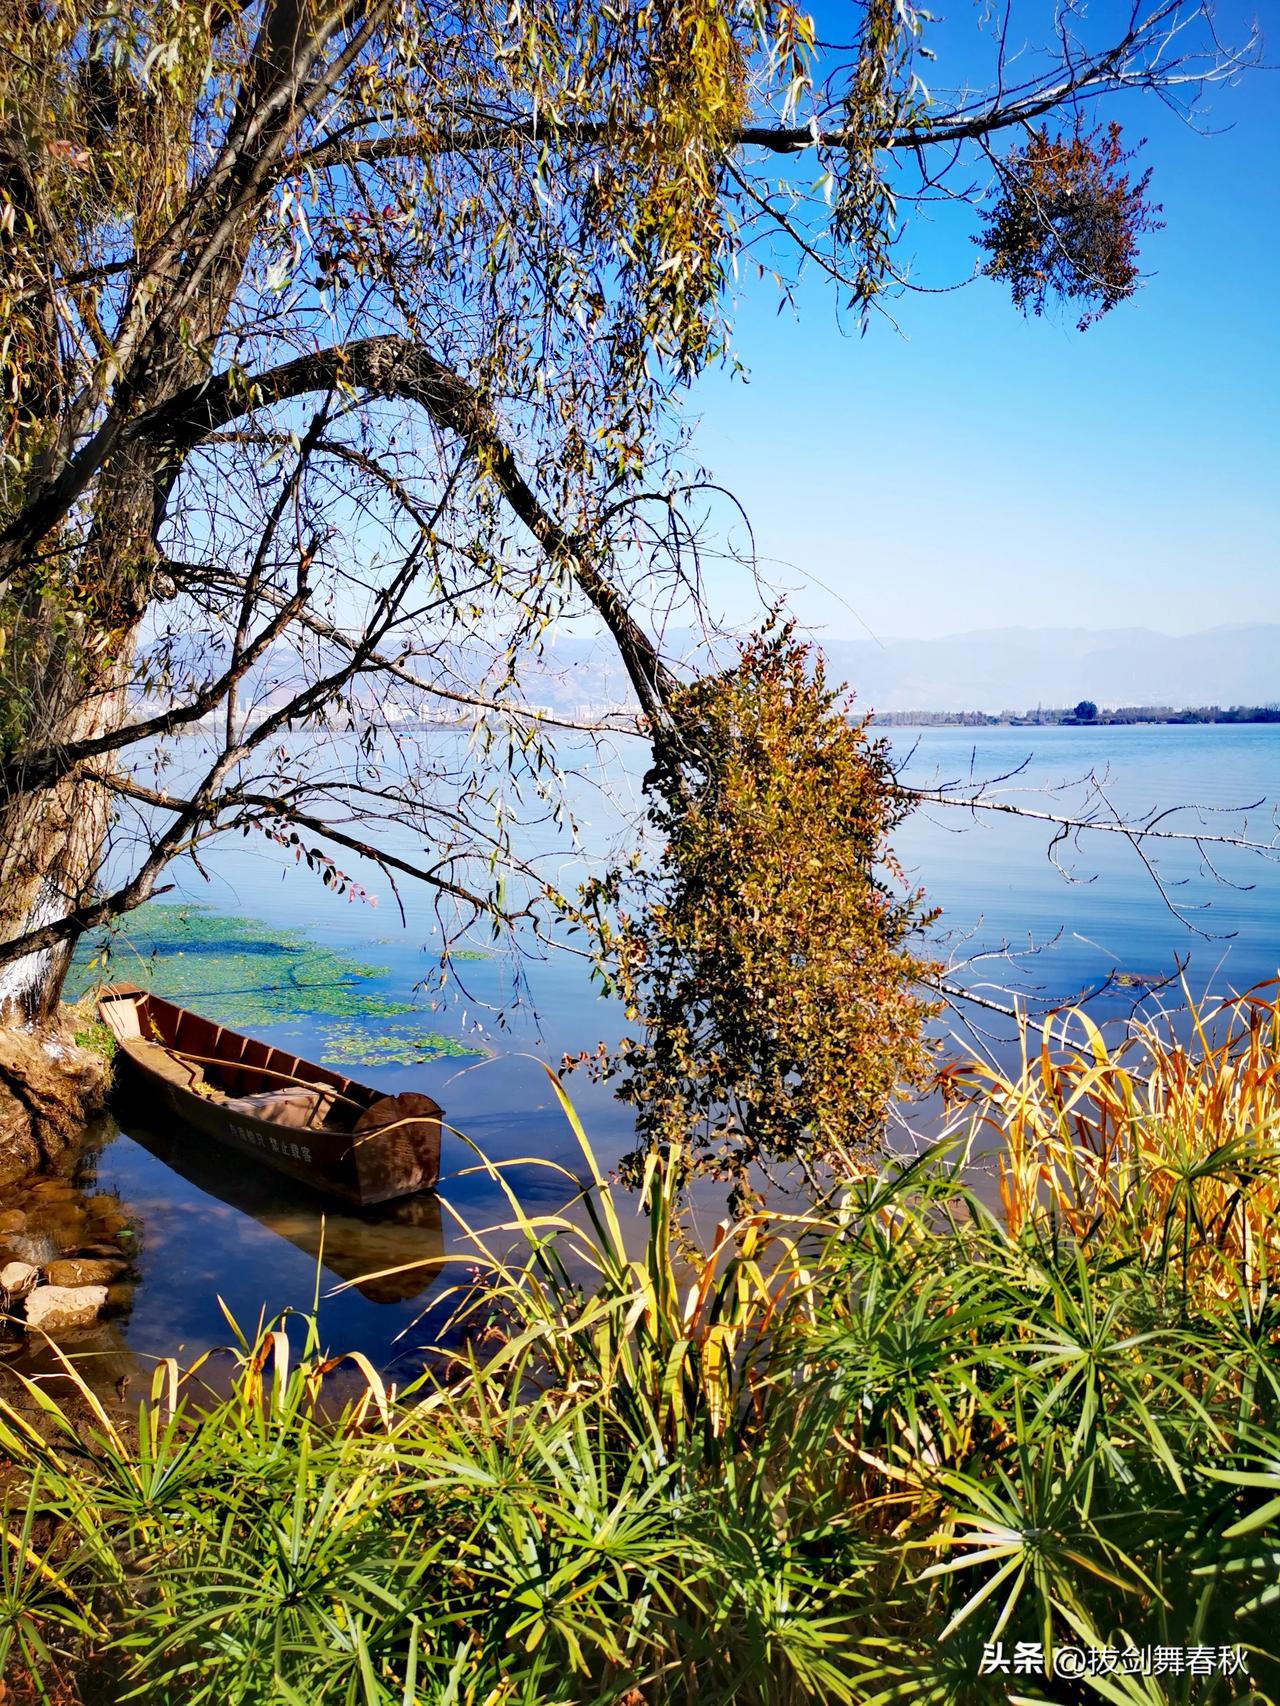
column 827, row 1460
column 1164, row 1147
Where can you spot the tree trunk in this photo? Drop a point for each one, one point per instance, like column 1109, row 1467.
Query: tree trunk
column 63, row 678
column 51, row 843
column 69, row 625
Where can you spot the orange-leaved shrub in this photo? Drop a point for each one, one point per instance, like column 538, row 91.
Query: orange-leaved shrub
column 768, row 954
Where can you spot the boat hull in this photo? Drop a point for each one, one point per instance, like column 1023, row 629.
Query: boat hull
column 356, row 1154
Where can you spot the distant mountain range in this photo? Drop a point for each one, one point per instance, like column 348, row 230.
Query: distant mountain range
column 991, row 669
column 999, row 669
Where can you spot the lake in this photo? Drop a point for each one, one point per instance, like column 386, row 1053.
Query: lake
column 1016, row 923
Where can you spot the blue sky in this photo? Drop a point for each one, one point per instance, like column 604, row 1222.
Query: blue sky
column 973, row 469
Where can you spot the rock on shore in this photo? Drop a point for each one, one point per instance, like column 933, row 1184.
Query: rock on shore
column 17, row 1277
column 56, row 1308
column 49, row 1088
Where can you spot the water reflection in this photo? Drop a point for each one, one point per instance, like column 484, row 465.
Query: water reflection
column 206, row 1225
column 200, row 1237
column 348, row 1244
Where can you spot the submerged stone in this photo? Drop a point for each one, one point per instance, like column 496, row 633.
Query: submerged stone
column 103, row 1204
column 60, row 1221
column 12, row 1220
column 84, row 1270
column 34, row 1247
column 53, row 1190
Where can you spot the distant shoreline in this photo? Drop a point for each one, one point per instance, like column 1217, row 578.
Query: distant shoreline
column 1121, row 716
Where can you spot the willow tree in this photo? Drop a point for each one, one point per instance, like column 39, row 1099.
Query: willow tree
column 339, row 343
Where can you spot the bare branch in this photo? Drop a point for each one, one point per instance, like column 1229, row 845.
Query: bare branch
column 1109, row 826
column 396, row 668
column 392, row 366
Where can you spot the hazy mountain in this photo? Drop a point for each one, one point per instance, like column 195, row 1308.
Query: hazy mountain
column 994, row 669
column 1019, row 668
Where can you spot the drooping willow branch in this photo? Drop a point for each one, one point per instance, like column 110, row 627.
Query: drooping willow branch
column 395, row 367
column 275, row 807
column 210, row 574
column 1118, row 67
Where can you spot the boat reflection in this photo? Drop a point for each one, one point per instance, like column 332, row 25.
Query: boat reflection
column 350, row 1243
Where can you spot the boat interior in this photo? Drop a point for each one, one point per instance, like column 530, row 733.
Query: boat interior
column 243, row 1075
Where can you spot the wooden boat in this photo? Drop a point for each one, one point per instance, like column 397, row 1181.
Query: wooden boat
column 312, row 1124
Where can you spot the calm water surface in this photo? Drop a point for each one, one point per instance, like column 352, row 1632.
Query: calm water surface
column 206, row 1226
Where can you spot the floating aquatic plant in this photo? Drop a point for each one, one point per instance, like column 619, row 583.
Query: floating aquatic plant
column 346, row 1045
column 239, row 971
column 248, row 973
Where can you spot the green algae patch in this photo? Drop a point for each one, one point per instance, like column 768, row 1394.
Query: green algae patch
column 352, row 1045
column 236, row 971
column 249, row 974
column 431, row 948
